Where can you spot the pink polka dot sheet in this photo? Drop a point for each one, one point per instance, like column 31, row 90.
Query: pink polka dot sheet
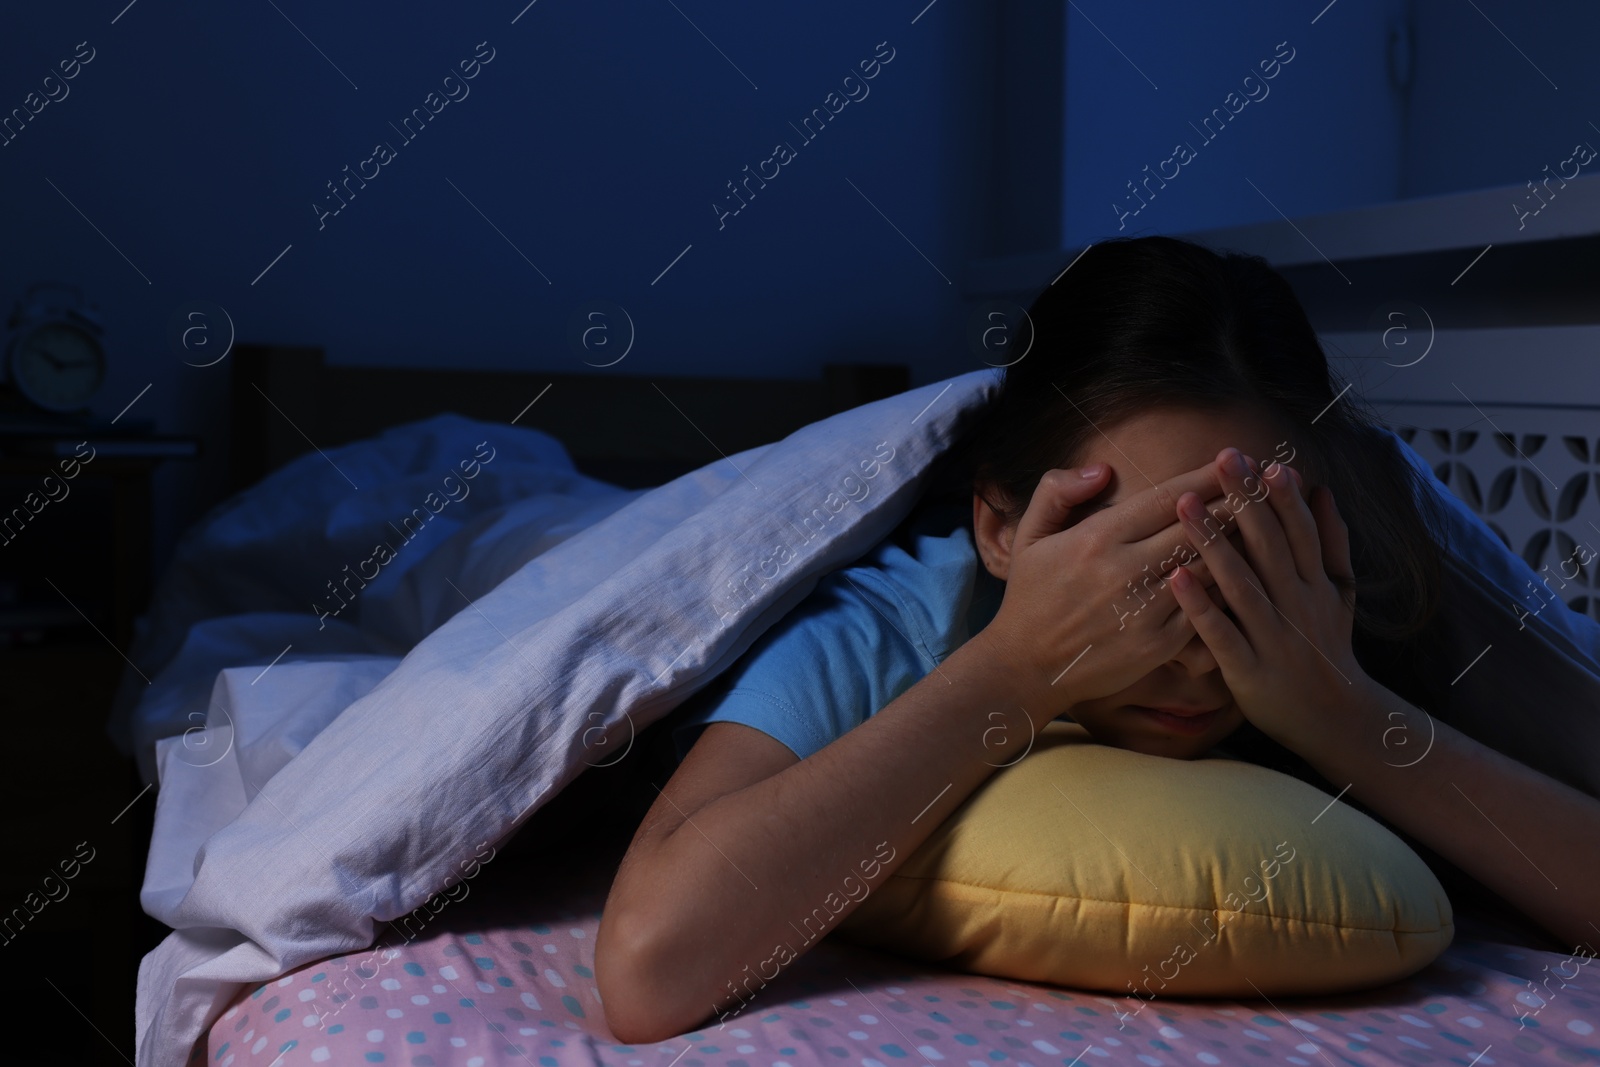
column 508, row 979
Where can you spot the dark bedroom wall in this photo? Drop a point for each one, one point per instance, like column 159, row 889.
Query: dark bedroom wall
column 1323, row 133
column 190, row 156
column 1499, row 102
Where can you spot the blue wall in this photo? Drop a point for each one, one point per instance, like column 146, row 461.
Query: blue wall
column 1498, row 91
column 1323, row 133
column 596, row 140
column 1495, row 104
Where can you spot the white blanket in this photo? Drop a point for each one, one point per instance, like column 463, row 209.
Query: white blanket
column 331, row 750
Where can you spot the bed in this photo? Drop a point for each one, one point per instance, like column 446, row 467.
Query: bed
column 506, row 977
column 484, row 954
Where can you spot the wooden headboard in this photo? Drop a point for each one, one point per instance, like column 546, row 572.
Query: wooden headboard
column 630, row 431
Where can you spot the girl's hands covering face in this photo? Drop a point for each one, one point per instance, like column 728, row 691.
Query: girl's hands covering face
column 1286, row 653
column 1068, row 618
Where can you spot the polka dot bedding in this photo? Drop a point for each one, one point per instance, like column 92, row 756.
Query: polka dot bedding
column 511, row 982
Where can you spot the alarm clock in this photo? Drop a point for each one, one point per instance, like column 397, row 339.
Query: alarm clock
column 55, row 360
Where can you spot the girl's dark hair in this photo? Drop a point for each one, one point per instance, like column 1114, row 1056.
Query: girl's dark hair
column 1154, row 321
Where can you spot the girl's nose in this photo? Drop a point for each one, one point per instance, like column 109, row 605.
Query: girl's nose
column 1195, row 658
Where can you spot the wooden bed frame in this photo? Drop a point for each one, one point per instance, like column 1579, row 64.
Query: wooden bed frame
column 631, row 431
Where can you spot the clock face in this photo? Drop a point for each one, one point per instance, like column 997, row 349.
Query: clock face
column 57, row 366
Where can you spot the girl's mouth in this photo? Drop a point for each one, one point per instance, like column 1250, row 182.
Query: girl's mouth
column 1180, row 720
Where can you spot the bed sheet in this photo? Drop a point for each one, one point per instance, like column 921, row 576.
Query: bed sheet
column 505, row 976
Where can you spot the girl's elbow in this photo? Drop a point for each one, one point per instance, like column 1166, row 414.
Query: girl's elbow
column 641, row 1000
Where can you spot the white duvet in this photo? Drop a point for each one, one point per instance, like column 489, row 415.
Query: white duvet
column 377, row 660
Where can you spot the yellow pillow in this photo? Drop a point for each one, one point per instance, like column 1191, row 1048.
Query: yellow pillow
column 1098, row 868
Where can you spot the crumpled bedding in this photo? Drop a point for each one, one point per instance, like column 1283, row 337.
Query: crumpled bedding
column 321, row 772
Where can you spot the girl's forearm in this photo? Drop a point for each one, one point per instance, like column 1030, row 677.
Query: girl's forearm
column 722, row 903
column 1533, row 840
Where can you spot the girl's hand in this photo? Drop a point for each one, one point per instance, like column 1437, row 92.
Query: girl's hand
column 1288, row 659
column 1069, row 625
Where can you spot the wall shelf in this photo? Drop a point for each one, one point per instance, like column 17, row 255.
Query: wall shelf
column 1466, row 221
column 1542, row 271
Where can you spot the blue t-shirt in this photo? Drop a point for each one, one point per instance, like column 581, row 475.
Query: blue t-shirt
column 864, row 635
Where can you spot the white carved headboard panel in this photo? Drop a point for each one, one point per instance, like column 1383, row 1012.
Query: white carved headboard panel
column 1532, row 473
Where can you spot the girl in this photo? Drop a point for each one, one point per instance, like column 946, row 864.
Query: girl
column 1102, row 546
